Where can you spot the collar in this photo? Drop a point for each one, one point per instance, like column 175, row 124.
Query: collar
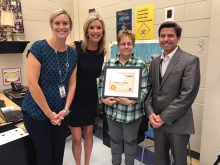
column 118, row 55
column 169, row 55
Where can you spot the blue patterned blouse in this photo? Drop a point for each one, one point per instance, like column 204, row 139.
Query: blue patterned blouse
column 49, row 79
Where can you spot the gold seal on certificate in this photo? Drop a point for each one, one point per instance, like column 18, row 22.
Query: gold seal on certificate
column 122, row 82
column 113, row 87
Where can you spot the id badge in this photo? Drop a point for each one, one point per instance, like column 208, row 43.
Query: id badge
column 62, row 90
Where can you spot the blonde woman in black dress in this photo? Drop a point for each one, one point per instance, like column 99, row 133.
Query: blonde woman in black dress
column 91, row 52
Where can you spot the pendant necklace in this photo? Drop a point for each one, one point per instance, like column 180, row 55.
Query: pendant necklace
column 58, row 64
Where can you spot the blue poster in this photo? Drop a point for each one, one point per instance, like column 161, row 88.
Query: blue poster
column 123, row 20
column 143, row 49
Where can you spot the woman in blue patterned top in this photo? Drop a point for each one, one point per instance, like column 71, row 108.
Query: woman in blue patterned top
column 124, row 115
column 51, row 77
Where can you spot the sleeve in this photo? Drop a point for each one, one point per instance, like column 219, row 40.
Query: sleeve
column 100, row 83
column 78, row 45
column 148, row 103
column 36, row 50
column 144, row 78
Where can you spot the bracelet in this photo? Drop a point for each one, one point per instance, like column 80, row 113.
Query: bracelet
column 67, row 111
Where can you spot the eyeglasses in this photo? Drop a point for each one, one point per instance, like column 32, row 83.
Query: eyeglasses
column 124, row 44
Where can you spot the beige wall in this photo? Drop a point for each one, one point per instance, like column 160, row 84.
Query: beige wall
column 193, row 15
column 210, row 143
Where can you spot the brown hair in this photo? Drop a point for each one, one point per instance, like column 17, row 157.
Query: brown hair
column 171, row 24
column 128, row 33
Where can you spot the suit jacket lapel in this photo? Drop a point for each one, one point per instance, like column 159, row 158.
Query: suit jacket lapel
column 172, row 64
column 157, row 72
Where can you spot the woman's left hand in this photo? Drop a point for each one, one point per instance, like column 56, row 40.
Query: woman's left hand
column 62, row 114
column 122, row 100
column 60, row 117
column 125, row 101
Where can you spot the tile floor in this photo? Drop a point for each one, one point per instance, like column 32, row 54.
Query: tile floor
column 151, row 143
column 101, row 155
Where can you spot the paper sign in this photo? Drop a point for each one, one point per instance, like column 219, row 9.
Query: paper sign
column 11, row 135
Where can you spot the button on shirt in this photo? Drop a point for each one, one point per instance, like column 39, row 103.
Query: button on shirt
column 166, row 61
column 120, row 112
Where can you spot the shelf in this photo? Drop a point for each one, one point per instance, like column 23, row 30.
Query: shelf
column 13, row 46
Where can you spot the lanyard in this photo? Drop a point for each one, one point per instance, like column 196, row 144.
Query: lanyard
column 58, row 64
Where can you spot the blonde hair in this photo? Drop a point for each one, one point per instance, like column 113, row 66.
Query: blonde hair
column 57, row 12
column 101, row 43
column 124, row 33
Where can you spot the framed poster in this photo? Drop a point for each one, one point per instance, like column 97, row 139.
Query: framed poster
column 169, row 14
column 11, row 75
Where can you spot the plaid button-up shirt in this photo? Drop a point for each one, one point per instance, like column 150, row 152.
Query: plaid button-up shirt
column 120, row 112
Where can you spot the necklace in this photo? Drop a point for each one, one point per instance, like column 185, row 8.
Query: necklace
column 67, row 65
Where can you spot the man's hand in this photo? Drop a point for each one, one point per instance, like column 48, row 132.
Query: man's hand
column 155, row 121
column 159, row 120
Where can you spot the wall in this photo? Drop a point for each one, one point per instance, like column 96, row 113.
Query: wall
column 190, row 14
column 210, row 145
column 36, row 27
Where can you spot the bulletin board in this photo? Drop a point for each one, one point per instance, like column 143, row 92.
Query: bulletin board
column 143, row 49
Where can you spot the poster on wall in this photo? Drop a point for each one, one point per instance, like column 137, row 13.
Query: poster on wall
column 144, row 22
column 15, row 7
column 123, row 20
column 92, row 11
column 143, row 49
column 169, row 14
column 11, row 75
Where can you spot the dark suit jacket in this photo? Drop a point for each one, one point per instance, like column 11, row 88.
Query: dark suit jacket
column 172, row 99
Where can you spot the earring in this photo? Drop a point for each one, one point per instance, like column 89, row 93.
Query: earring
column 70, row 34
column 52, row 33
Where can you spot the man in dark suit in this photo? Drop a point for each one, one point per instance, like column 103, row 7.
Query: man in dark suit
column 173, row 84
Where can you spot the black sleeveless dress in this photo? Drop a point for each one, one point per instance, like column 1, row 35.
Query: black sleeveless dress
column 84, row 104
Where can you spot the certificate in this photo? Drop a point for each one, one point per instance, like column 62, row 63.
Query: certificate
column 122, row 82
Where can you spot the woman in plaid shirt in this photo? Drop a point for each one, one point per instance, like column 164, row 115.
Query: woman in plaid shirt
column 124, row 115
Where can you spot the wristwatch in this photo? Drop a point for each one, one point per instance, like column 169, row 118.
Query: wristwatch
column 67, row 111
column 130, row 103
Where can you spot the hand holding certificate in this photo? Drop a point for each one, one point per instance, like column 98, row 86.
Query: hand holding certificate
column 122, row 82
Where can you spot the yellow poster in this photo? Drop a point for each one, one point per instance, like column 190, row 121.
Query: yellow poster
column 144, row 22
